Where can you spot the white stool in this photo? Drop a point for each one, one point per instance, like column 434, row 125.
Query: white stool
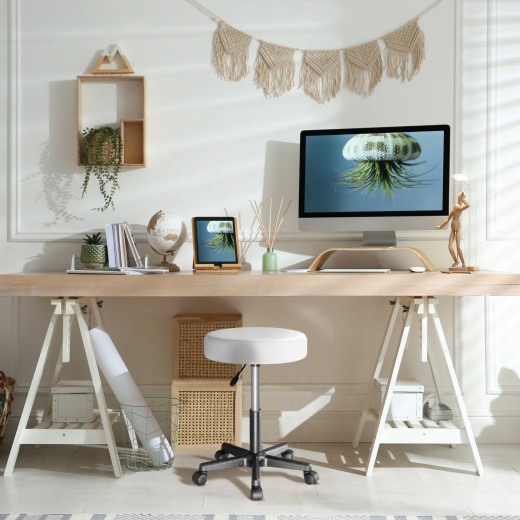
column 254, row 346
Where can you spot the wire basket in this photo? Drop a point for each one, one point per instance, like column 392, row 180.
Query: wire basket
column 150, row 433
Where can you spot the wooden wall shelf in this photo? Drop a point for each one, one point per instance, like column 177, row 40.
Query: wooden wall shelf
column 114, row 100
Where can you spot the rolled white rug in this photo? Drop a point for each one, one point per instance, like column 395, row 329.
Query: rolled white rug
column 129, row 396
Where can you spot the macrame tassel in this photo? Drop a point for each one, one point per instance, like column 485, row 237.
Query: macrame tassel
column 321, row 74
column 364, row 68
column 404, row 51
column 274, row 69
column 231, row 52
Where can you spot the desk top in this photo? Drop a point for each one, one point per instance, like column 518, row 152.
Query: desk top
column 258, row 284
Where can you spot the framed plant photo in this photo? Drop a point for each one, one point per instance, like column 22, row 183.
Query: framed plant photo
column 215, row 243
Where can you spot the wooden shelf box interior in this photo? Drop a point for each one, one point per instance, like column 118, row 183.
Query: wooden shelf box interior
column 132, row 134
column 117, row 101
column 210, row 413
column 188, row 346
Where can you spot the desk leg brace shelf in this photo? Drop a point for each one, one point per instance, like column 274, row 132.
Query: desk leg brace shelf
column 426, row 431
column 88, row 434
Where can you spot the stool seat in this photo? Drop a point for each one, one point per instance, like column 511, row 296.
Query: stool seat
column 255, row 345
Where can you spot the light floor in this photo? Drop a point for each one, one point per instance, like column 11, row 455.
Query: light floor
column 416, row 479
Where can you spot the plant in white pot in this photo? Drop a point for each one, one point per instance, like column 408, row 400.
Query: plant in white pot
column 93, row 251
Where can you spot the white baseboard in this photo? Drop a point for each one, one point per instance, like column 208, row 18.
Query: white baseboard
column 300, row 413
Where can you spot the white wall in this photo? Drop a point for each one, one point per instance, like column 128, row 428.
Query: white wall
column 212, row 146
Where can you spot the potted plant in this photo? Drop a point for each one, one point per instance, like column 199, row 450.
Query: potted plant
column 93, row 251
column 102, row 155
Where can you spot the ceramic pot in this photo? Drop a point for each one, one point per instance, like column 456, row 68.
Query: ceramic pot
column 93, row 255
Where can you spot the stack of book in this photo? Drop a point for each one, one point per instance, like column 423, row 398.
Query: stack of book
column 121, row 246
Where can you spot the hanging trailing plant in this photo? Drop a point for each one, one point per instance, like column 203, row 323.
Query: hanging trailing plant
column 102, row 156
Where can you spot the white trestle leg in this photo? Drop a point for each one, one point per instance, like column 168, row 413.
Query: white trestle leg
column 415, row 432
column 67, row 308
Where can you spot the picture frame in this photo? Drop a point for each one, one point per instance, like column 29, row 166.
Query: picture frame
column 215, row 243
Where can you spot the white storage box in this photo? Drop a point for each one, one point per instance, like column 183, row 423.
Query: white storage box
column 72, row 401
column 407, row 400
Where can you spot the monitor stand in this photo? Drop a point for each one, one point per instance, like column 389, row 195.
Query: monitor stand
column 320, row 260
column 379, row 238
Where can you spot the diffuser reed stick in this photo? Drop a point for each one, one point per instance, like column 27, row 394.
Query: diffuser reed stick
column 270, row 232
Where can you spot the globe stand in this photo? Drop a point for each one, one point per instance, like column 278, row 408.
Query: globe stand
column 173, row 268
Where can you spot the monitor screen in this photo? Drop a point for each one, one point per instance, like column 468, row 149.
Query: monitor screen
column 374, row 179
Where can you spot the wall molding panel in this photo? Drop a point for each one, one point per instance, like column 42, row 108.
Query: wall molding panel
column 322, row 421
column 485, row 96
column 496, row 135
column 13, row 118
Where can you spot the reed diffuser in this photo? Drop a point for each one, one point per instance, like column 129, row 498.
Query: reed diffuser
column 270, row 232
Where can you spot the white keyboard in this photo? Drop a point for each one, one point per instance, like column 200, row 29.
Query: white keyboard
column 356, row 270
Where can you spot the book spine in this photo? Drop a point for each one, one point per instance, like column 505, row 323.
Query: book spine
column 109, row 233
column 132, row 246
column 121, row 242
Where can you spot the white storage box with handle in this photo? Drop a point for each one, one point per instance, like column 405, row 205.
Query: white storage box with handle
column 407, row 400
column 72, row 401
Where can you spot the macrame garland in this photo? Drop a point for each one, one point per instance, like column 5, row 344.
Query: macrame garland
column 363, row 68
column 231, row 52
column 404, row 51
column 274, row 69
column 320, row 76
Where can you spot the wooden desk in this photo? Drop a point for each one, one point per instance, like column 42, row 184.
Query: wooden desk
column 419, row 288
column 257, row 284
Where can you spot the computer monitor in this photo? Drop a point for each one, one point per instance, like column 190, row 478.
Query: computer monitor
column 374, row 180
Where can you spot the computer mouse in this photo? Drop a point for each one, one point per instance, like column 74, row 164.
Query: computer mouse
column 417, row 269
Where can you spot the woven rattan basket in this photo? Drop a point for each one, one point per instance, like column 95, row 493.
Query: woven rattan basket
column 212, row 410
column 188, row 347
column 211, row 413
column 6, row 398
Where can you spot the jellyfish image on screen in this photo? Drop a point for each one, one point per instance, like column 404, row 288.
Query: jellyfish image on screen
column 222, row 237
column 384, row 163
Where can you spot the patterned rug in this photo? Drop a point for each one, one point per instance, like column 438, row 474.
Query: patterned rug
column 208, row 516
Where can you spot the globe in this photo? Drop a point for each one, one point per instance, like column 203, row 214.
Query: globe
column 166, row 233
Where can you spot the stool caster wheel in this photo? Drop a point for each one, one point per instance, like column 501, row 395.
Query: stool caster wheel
column 221, row 454
column 257, row 493
column 311, row 477
column 287, row 454
column 199, row 478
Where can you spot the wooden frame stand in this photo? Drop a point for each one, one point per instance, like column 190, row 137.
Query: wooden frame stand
column 97, row 432
column 209, row 254
column 415, row 432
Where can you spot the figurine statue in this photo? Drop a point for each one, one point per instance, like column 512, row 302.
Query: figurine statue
column 461, row 205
